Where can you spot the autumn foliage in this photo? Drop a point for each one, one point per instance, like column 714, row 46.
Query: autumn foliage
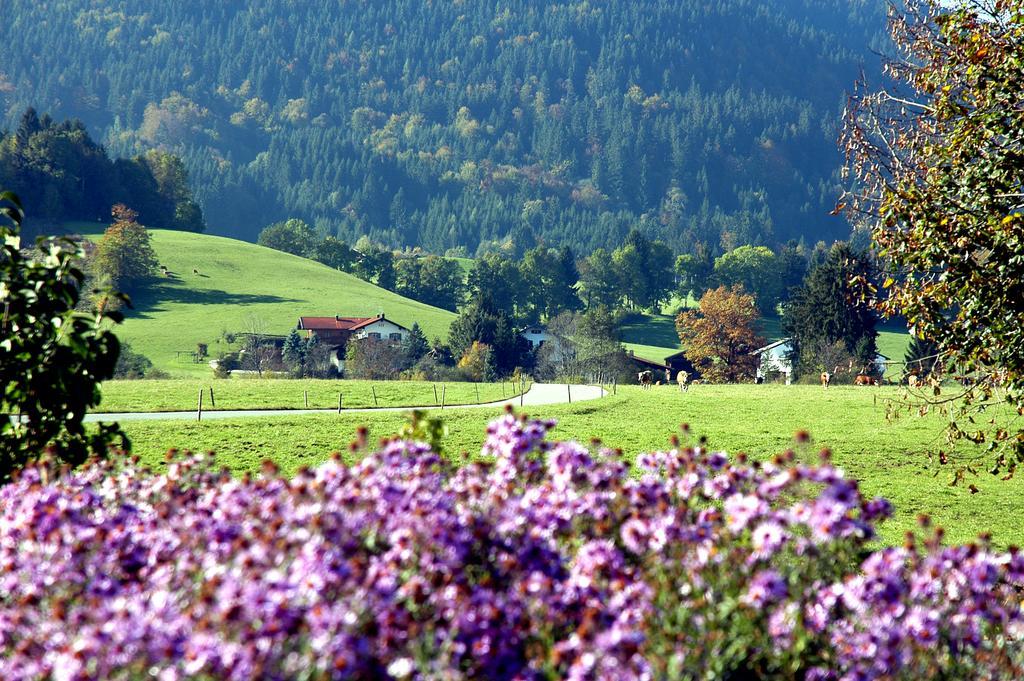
column 719, row 336
column 124, row 257
column 939, row 171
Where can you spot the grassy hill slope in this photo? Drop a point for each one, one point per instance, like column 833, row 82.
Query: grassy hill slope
column 237, row 280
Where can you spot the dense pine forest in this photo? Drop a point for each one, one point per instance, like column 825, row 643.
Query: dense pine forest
column 468, row 126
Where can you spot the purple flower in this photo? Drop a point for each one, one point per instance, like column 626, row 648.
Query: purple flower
column 740, row 509
column 767, row 538
column 551, row 561
column 767, row 587
column 634, row 535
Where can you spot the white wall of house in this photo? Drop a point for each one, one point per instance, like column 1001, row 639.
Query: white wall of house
column 776, row 359
column 536, row 336
column 881, row 364
column 384, row 330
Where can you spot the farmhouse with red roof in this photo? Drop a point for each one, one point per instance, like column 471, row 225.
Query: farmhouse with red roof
column 335, row 332
column 338, row 330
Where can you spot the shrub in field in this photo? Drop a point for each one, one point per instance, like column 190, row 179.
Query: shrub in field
column 52, row 357
column 550, row 561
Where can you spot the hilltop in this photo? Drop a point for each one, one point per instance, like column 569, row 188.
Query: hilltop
column 459, row 125
column 237, row 280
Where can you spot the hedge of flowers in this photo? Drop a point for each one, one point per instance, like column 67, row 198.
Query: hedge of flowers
column 553, row 560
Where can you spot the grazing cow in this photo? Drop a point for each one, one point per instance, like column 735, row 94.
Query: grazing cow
column 826, row 378
column 864, row 379
column 683, row 379
column 195, row 271
column 646, row 378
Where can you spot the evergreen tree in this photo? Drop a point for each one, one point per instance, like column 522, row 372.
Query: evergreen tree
column 67, row 176
column 499, row 278
column 689, row 142
column 415, row 346
column 921, row 356
column 294, row 353
column 600, row 280
column 481, row 322
column 825, row 309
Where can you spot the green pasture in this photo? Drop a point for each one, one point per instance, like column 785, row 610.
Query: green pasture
column 216, row 284
column 269, row 393
column 888, row 458
column 650, row 336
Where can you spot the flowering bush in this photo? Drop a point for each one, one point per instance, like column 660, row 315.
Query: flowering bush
column 550, row 561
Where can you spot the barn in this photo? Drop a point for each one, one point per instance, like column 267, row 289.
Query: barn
column 680, row 362
column 644, row 364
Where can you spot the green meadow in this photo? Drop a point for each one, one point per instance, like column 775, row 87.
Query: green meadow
column 890, row 459
column 216, row 285
column 271, row 393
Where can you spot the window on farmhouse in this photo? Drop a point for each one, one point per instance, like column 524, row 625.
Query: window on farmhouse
column 396, row 337
column 374, row 335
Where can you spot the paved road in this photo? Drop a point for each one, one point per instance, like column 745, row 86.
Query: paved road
column 538, row 394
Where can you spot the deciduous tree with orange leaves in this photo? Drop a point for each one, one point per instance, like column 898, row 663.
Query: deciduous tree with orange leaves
column 719, row 336
column 124, row 257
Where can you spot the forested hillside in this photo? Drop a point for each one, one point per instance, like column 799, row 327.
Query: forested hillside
column 455, row 124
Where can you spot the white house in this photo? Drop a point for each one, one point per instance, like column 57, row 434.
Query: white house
column 881, row 364
column 536, row 336
column 775, row 358
column 381, row 328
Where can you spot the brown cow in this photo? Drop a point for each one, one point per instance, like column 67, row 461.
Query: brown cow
column 913, row 381
column 864, row 379
column 826, row 378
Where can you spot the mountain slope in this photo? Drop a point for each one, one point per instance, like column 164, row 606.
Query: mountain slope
column 457, row 124
column 237, row 281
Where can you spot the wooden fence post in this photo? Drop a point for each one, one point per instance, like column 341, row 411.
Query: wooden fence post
column 477, row 392
column 522, row 390
column 435, row 393
column 374, row 391
column 213, row 402
column 568, row 390
column 444, row 388
column 339, row 403
column 305, row 398
column 199, row 409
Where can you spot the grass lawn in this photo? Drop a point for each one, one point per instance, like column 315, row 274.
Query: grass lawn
column 268, row 393
column 890, row 459
column 650, row 336
column 237, row 280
